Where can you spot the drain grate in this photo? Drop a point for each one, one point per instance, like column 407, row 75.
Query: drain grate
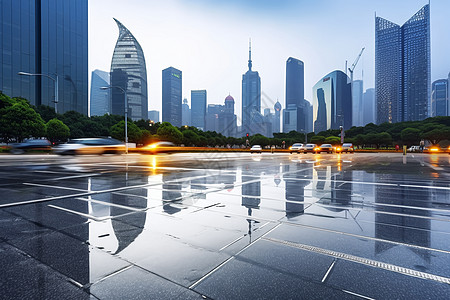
column 361, row 260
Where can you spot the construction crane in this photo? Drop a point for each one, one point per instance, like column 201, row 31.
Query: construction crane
column 351, row 69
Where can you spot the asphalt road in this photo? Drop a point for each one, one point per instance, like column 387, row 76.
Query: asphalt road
column 225, row 226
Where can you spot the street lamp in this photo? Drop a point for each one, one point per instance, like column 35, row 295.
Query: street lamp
column 55, row 79
column 124, row 91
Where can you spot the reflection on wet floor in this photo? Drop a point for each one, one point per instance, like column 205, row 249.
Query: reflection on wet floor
column 193, row 221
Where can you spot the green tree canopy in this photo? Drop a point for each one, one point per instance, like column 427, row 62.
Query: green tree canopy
column 18, row 120
column 317, row 139
column 57, row 131
column 118, row 132
column 170, row 133
column 334, row 140
column 410, row 136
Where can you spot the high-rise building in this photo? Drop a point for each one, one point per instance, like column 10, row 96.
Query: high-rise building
column 251, row 99
column 227, row 118
column 198, row 108
column 402, row 68
column 185, row 113
column 369, row 107
column 128, row 71
column 100, row 103
column 171, row 96
column 332, row 106
column 440, row 98
column 212, row 117
column 153, row 115
column 295, row 112
column 277, row 117
column 45, row 37
column 357, row 103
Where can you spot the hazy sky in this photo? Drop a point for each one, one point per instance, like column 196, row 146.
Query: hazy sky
column 208, row 40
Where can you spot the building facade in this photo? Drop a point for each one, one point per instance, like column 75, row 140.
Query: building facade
column 171, row 96
column 251, row 99
column 153, row 115
column 369, row 107
column 50, row 38
column 198, row 108
column 100, row 101
column 402, row 68
column 332, row 102
column 185, row 113
column 227, row 118
column 440, row 98
column 128, row 71
column 277, row 117
column 357, row 103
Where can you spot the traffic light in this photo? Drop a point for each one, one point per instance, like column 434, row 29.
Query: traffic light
column 247, row 134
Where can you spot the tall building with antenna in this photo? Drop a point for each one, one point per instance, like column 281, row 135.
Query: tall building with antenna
column 251, row 99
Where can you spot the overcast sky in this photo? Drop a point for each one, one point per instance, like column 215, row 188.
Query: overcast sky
column 208, row 40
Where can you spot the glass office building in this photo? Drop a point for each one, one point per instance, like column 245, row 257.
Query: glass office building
column 440, row 98
column 100, row 103
column 45, row 37
column 171, row 96
column 198, row 108
column 128, row 71
column 402, row 68
column 332, row 102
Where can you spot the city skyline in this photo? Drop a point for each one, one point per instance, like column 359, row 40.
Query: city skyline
column 214, row 57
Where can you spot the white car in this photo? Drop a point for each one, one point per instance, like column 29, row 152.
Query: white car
column 256, row 148
column 90, row 146
column 295, row 148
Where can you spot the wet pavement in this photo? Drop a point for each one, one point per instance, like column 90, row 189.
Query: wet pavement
column 225, row 226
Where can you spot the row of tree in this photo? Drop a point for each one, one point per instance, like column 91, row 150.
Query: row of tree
column 20, row 120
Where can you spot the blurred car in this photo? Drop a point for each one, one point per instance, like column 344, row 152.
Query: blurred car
column 347, row 147
column 433, row 149
column 256, row 148
column 31, row 144
column 308, row 148
column 295, row 148
column 324, row 148
column 90, row 146
column 413, row 149
column 159, row 147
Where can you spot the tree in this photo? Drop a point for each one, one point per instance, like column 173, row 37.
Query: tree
column 167, row 132
column 382, row 138
column 190, row 138
column 18, row 120
column 317, row 139
column 118, row 132
column 437, row 135
column 57, row 131
column 47, row 113
column 334, row 140
column 410, row 136
column 259, row 139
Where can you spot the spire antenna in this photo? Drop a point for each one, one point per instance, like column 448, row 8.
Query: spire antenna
column 250, row 54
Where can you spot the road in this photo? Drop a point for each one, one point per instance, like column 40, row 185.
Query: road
column 225, row 226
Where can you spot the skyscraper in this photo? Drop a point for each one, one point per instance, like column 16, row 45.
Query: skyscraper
column 100, row 103
column 171, row 96
column 251, row 99
column 185, row 113
column 402, row 68
column 227, row 118
column 440, row 98
column 153, row 115
column 369, row 107
column 128, row 71
column 357, row 103
column 277, row 118
column 45, row 37
column 295, row 112
column 198, row 108
column 332, row 106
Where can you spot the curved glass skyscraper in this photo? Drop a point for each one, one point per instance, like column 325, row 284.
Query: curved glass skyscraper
column 129, row 72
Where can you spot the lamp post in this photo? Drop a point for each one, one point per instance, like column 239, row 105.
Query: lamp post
column 124, row 91
column 55, row 79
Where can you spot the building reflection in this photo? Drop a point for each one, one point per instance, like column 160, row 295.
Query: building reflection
column 400, row 223
column 251, row 193
column 171, row 192
column 295, row 189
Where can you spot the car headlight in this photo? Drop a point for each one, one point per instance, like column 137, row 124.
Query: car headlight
column 316, row 149
column 290, row 148
column 338, row 149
